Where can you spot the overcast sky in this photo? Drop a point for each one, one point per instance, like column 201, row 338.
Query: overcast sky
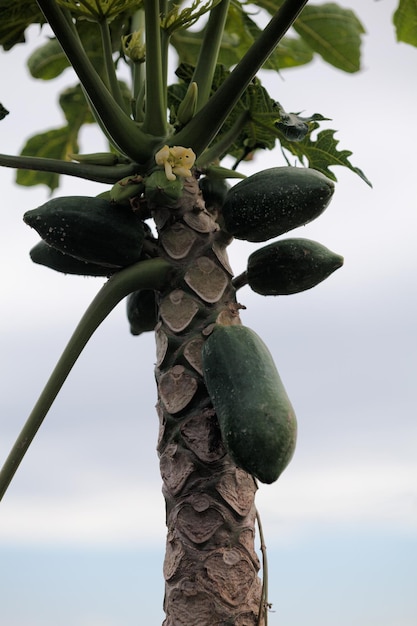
column 82, row 526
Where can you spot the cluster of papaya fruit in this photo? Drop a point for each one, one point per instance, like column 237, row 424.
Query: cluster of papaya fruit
column 256, row 418
column 268, row 204
column 90, row 236
column 99, row 236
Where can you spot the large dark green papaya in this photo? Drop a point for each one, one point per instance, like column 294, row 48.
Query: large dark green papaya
column 289, row 266
column 256, row 418
column 141, row 309
column 90, row 229
column 42, row 254
column 274, row 201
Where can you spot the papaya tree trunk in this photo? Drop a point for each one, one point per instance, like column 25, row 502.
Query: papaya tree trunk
column 210, row 568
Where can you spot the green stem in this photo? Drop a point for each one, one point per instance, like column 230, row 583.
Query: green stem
column 112, row 81
column 227, row 139
column 98, row 173
column 240, row 281
column 155, row 121
column 138, row 67
column 263, row 609
column 202, row 129
column 152, row 274
column 209, row 52
column 125, row 133
column 138, row 90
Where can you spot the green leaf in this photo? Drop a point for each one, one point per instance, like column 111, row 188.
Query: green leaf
column 57, row 143
column 322, row 153
column 48, row 61
column 405, row 22
column 177, row 19
column 54, row 144
column 75, row 108
column 334, row 33
column 240, row 32
column 15, row 17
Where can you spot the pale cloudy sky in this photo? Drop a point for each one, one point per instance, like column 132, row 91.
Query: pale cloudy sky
column 82, row 527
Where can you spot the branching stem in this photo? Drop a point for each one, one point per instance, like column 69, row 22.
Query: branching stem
column 202, row 129
column 126, row 134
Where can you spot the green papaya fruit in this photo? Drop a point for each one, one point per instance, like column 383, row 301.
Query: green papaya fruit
column 256, row 418
column 214, row 191
column 42, row 254
column 142, row 312
column 90, row 229
column 274, row 201
column 289, row 266
column 159, row 191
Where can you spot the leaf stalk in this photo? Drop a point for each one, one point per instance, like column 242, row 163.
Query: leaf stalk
column 89, row 171
column 204, row 126
column 126, row 134
column 151, row 274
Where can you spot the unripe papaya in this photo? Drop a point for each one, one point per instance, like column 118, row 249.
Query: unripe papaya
column 90, row 229
column 289, row 266
column 257, row 421
column 214, row 191
column 159, row 191
column 43, row 254
column 141, row 309
column 274, row 201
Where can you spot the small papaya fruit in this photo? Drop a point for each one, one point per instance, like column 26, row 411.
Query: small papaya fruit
column 90, row 229
column 42, row 254
column 141, row 309
column 274, row 201
column 289, row 266
column 257, row 421
column 214, row 191
column 159, row 191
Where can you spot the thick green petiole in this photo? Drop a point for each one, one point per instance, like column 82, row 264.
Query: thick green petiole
column 112, row 81
column 152, row 274
column 126, row 134
column 98, row 173
column 209, row 52
column 155, row 121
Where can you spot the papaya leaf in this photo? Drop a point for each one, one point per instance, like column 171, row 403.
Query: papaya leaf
column 15, row 17
column 54, row 144
column 48, row 61
column 334, row 33
column 177, row 19
column 57, row 143
column 240, row 32
column 75, row 108
column 405, row 22
column 96, row 10
column 3, row 112
column 328, row 29
column 322, row 153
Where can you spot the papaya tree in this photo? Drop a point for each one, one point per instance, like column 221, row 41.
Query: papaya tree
column 173, row 201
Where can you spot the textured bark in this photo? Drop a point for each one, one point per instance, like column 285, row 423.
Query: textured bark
column 211, row 568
